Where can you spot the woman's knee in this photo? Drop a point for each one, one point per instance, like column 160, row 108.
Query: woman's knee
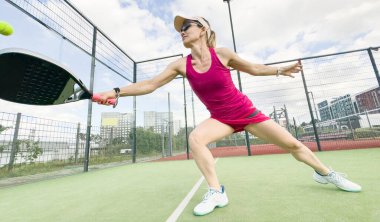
column 195, row 139
column 293, row 146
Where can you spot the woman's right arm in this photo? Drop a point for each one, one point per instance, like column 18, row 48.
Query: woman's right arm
column 146, row 86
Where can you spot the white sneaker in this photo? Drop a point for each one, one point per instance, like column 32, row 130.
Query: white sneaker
column 338, row 179
column 213, row 198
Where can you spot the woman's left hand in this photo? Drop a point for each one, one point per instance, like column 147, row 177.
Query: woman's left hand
column 289, row 70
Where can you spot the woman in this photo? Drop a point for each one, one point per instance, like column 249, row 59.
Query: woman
column 231, row 111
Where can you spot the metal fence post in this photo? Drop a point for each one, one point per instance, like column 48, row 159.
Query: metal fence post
column 295, row 127
column 134, row 116
column 247, row 142
column 185, row 108
column 89, row 114
column 373, row 62
column 170, row 131
column 287, row 118
column 14, row 142
column 310, row 108
column 163, row 140
column 275, row 114
column 77, row 144
column 192, row 105
column 369, row 122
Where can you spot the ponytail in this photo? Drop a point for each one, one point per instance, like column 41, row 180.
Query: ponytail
column 211, row 42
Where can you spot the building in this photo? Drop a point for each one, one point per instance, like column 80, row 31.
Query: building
column 116, row 125
column 368, row 100
column 339, row 107
column 324, row 111
column 341, row 113
column 176, row 126
column 159, row 122
column 342, row 106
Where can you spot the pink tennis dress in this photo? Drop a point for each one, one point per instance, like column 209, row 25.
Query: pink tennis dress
column 218, row 93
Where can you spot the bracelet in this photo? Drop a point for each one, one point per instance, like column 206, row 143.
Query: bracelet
column 279, row 71
column 117, row 91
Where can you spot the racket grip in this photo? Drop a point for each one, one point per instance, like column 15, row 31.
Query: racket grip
column 96, row 98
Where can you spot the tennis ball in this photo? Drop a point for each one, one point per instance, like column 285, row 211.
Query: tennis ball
column 5, row 28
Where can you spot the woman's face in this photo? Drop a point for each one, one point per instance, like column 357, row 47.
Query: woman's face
column 190, row 32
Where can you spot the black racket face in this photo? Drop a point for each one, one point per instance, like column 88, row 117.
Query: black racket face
column 28, row 78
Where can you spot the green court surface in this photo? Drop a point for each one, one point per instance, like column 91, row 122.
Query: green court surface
column 260, row 188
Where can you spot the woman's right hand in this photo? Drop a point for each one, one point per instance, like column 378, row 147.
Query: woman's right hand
column 104, row 96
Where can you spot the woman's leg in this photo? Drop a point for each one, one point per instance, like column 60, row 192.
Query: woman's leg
column 274, row 133
column 208, row 131
column 271, row 132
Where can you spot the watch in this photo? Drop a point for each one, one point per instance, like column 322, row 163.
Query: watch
column 117, row 91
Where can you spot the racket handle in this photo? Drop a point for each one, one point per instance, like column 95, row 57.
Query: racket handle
column 96, row 98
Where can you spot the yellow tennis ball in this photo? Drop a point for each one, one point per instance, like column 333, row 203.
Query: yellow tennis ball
column 5, row 28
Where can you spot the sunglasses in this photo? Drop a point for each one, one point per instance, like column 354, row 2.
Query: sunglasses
column 187, row 25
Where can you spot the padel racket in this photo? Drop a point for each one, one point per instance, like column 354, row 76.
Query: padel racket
column 30, row 78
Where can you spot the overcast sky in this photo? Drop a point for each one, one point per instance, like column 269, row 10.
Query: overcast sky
column 265, row 31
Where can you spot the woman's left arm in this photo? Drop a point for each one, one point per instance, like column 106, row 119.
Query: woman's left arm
column 234, row 61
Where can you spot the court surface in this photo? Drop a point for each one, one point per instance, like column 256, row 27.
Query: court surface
column 260, row 188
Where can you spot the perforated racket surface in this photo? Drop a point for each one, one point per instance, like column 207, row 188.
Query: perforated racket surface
column 30, row 78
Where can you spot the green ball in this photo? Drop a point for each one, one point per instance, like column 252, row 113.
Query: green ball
column 5, row 28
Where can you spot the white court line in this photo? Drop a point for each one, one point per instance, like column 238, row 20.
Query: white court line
column 177, row 212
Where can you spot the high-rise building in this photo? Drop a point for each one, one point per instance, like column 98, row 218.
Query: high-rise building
column 342, row 106
column 116, row 125
column 324, row 110
column 159, row 121
column 176, row 126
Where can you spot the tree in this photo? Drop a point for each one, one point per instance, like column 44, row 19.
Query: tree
column 33, row 151
column 147, row 141
column 96, row 138
column 2, row 129
column 179, row 140
column 236, row 139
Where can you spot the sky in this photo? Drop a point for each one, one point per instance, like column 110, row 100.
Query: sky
column 265, row 31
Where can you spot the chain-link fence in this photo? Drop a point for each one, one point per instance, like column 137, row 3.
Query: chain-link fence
column 29, row 144
column 108, row 61
column 333, row 104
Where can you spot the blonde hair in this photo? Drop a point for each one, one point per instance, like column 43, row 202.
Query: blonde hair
column 211, row 41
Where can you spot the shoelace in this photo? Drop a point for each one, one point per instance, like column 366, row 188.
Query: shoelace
column 209, row 193
column 337, row 176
